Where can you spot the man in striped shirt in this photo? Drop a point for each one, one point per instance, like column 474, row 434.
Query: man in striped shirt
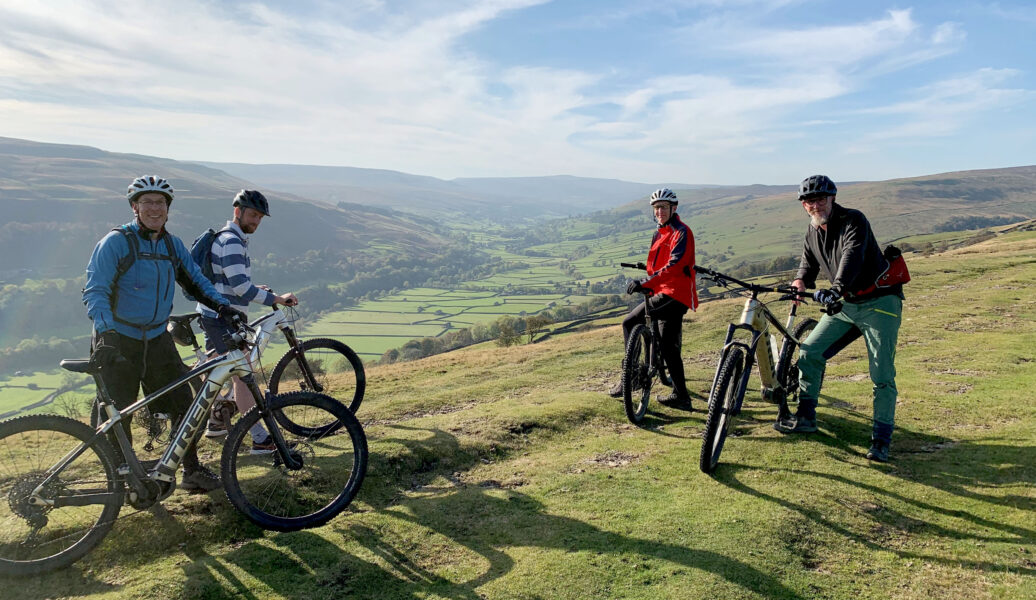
column 232, row 276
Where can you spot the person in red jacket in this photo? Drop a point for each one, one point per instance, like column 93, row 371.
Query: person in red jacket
column 670, row 269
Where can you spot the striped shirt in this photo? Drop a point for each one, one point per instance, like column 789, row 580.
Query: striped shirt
column 232, row 272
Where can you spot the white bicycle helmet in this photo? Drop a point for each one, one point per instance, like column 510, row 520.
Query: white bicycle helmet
column 664, row 195
column 149, row 183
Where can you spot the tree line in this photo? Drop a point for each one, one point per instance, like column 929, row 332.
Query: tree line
column 507, row 330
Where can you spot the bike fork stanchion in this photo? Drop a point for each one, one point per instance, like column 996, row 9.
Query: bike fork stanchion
column 263, row 406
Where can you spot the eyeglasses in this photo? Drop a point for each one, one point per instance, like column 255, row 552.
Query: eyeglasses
column 152, row 202
column 813, row 199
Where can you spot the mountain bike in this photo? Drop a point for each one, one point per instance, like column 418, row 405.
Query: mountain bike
column 309, row 365
column 62, row 483
column 778, row 369
column 642, row 361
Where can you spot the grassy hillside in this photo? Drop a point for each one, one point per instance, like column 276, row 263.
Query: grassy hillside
column 507, row 473
column 755, row 223
column 72, row 195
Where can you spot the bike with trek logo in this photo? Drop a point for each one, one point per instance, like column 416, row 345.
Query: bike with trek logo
column 63, row 484
column 321, row 365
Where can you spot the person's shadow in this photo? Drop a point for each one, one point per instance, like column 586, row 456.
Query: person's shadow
column 957, row 469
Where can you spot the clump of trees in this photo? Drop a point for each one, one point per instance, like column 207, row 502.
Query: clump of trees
column 507, row 330
column 966, row 222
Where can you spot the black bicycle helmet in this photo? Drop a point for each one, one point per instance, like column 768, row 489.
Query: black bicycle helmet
column 182, row 332
column 664, row 195
column 146, row 184
column 252, row 199
column 817, row 185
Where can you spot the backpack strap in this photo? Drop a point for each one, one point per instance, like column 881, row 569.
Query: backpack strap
column 131, row 257
column 124, row 263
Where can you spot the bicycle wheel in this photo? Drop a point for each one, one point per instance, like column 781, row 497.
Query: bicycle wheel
column 725, row 396
column 636, row 378
column 336, row 371
column 275, row 496
column 788, row 362
column 87, row 495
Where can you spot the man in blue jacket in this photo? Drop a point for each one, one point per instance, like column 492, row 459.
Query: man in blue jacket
column 129, row 295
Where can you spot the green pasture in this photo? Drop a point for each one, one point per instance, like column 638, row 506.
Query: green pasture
column 18, row 391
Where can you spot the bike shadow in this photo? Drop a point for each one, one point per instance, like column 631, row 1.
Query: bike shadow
column 418, row 478
column 920, row 457
column 882, row 522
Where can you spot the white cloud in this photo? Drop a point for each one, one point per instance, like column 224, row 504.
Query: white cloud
column 389, row 87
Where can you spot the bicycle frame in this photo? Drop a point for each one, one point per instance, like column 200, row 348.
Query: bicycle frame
column 219, row 370
column 756, row 319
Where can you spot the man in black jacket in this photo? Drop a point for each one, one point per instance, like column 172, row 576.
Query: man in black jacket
column 840, row 245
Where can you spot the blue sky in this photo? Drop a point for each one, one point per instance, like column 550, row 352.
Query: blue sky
column 692, row 91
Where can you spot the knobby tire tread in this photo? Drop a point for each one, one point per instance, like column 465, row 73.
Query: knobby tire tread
column 103, row 451
column 634, row 367
column 717, row 424
column 238, row 435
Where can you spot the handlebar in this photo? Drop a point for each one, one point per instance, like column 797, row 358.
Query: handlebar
column 789, row 293
column 639, row 265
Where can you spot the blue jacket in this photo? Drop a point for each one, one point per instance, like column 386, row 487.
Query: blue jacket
column 145, row 292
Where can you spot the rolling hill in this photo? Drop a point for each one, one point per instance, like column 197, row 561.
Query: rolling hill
column 745, row 224
column 71, row 195
column 497, row 199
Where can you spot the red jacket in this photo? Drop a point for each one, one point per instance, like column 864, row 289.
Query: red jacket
column 670, row 264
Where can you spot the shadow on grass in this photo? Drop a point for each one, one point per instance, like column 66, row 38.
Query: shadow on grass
column 887, row 522
column 461, row 527
column 488, row 519
column 957, row 468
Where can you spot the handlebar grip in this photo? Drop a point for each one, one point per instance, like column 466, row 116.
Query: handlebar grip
column 639, row 265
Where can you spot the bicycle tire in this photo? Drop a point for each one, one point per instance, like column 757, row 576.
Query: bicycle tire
column 723, row 398
column 319, row 354
column 636, row 379
column 275, row 497
column 29, row 445
column 788, row 362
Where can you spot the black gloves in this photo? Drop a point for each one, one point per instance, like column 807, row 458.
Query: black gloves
column 826, row 296
column 105, row 354
column 634, row 286
column 230, row 315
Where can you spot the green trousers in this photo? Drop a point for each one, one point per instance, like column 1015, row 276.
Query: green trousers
column 878, row 321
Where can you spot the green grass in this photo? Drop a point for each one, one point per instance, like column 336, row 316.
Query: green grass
column 507, row 473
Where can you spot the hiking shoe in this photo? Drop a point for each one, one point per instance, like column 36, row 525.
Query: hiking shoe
column 219, row 419
column 675, row 400
column 616, row 390
column 879, row 452
column 796, row 424
column 265, row 447
column 200, row 480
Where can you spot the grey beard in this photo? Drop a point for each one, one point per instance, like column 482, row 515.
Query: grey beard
column 817, row 220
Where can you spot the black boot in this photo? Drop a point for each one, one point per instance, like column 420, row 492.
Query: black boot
column 677, row 400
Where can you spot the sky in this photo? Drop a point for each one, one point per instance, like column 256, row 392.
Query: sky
column 689, row 91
